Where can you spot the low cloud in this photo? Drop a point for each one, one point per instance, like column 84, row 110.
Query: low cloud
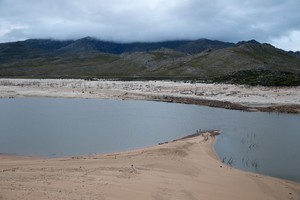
column 272, row 21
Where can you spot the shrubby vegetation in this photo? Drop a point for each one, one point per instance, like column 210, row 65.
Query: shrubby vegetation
column 261, row 77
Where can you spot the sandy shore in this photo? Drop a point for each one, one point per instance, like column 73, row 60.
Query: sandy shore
column 185, row 169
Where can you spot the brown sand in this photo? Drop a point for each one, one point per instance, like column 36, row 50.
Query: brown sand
column 185, row 169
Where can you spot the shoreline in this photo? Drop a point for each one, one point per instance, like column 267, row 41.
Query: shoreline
column 131, row 177
column 235, row 97
column 187, row 168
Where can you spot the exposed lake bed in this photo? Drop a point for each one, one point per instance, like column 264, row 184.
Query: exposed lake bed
column 238, row 97
column 191, row 121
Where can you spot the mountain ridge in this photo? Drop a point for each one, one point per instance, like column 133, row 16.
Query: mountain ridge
column 89, row 43
column 203, row 59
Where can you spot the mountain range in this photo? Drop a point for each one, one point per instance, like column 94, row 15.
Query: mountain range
column 246, row 62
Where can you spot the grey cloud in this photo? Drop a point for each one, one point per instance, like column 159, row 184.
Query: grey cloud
column 149, row 20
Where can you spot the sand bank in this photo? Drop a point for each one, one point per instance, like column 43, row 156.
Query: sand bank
column 268, row 99
column 184, row 169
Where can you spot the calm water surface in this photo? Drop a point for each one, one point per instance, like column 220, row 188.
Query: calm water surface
column 260, row 142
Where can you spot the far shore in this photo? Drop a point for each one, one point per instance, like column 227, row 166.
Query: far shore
column 237, row 97
column 187, row 168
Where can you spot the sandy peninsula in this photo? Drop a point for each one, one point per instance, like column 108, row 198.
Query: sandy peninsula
column 182, row 169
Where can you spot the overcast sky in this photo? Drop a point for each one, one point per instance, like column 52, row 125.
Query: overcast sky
column 272, row 21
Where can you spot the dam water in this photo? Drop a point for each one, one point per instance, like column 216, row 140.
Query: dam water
column 266, row 143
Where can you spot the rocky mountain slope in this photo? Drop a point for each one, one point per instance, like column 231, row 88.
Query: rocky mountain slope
column 247, row 62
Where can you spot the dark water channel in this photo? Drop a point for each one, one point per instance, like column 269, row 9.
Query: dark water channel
column 260, row 142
